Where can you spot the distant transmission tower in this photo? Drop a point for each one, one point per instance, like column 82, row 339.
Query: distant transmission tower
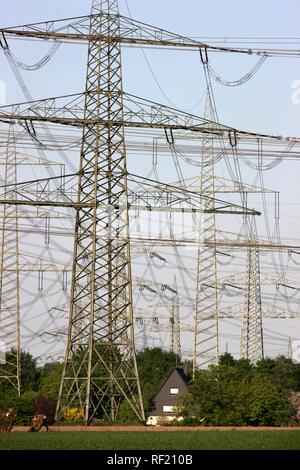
column 206, row 337
column 290, row 349
column 175, row 334
column 9, row 273
column 252, row 346
column 102, row 372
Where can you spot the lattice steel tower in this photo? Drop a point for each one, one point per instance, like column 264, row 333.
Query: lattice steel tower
column 100, row 366
column 252, row 347
column 9, row 272
column 175, row 333
column 206, row 337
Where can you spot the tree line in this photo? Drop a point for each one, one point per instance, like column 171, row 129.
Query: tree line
column 232, row 393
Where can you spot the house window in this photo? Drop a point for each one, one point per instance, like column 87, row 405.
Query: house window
column 174, row 391
column 168, row 409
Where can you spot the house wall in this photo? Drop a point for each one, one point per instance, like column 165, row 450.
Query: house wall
column 164, row 398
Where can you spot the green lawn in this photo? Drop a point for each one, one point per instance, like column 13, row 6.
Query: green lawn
column 172, row 440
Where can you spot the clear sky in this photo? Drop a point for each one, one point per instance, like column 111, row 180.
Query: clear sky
column 270, row 108
column 263, row 104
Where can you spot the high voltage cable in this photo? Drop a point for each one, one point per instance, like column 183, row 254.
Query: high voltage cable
column 41, row 63
column 240, row 81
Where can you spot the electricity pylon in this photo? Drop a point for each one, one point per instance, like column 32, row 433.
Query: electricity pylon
column 290, row 349
column 252, row 346
column 175, row 334
column 206, row 336
column 15, row 263
column 100, row 367
column 9, row 274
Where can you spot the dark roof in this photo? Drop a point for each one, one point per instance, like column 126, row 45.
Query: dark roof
column 180, row 372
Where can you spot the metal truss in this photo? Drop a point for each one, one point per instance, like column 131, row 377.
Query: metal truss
column 175, row 336
column 100, row 366
column 131, row 32
column 252, row 344
column 9, row 278
column 206, row 333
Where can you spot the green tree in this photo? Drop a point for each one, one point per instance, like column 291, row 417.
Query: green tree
column 226, row 360
column 282, row 371
column 126, row 414
column 214, row 396
column 30, row 373
column 24, row 407
column 30, row 376
column 50, row 380
column 266, row 366
column 287, row 374
column 236, row 393
column 264, row 403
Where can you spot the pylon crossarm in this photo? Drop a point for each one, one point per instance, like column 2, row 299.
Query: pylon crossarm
column 171, row 198
column 131, row 33
column 68, row 110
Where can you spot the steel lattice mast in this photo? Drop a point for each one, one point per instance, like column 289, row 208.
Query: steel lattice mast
column 100, row 330
column 252, row 330
column 175, row 333
column 9, row 273
column 100, row 366
column 206, row 336
column 290, row 349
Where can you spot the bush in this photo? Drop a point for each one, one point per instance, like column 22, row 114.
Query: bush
column 25, row 408
column 45, row 406
column 165, row 421
column 50, row 380
column 8, row 400
column 265, row 404
column 236, row 393
column 73, row 414
column 126, row 414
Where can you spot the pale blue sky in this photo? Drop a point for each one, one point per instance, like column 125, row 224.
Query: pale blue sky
column 179, row 73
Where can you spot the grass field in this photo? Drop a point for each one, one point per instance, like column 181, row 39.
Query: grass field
column 181, row 440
